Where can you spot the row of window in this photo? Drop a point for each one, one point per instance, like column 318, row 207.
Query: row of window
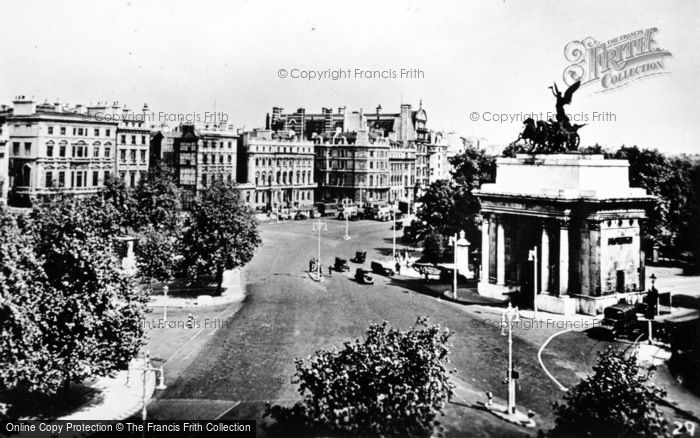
column 213, row 144
column 283, row 178
column 282, row 149
column 133, row 139
column 205, row 159
column 347, row 180
column 62, row 130
column 78, row 178
column 132, row 155
column 213, row 177
column 300, row 195
column 284, row 162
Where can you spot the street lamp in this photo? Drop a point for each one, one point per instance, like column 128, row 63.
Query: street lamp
column 165, row 303
column 318, row 226
column 393, row 221
column 532, row 256
column 346, row 203
column 509, row 316
column 147, row 368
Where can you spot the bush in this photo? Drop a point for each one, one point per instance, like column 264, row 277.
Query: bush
column 392, row 383
column 616, row 401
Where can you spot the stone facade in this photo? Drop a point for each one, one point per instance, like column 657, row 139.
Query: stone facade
column 584, row 219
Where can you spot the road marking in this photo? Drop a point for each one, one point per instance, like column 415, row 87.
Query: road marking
column 539, row 357
column 197, row 334
column 228, row 410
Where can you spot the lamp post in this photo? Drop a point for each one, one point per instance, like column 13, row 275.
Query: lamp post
column 393, row 221
column 145, row 369
column 318, row 226
column 346, row 203
column 165, row 303
column 532, row 256
column 458, row 241
column 509, row 316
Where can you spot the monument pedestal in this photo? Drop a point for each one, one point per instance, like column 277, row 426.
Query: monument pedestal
column 563, row 305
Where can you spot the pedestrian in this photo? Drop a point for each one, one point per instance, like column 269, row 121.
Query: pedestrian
column 398, row 268
column 330, row 270
column 190, row 321
column 489, row 399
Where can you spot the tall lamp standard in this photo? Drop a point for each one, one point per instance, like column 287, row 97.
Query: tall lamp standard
column 346, row 203
column 318, row 226
column 458, row 241
column 510, row 315
column 532, row 256
column 145, row 369
column 165, row 303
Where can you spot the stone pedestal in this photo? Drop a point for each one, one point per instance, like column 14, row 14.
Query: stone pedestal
column 563, row 305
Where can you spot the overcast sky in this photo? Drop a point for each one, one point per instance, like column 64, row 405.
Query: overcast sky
column 490, row 56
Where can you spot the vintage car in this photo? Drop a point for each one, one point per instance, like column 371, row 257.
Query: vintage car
column 362, row 276
column 398, row 225
column 360, row 257
column 619, row 319
column 379, row 268
column 341, row 265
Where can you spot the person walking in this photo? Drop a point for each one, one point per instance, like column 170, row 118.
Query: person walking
column 330, row 270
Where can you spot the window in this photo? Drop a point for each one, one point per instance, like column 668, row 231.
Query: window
column 49, row 150
column 106, row 177
column 96, row 151
column 15, row 148
column 61, row 178
column 62, row 151
column 123, row 139
column 230, row 159
column 204, row 179
column 132, row 179
column 75, row 131
column 143, row 156
column 27, row 148
column 95, row 178
column 63, row 130
column 97, row 132
column 132, row 155
column 108, row 132
column 143, row 139
column 133, row 139
column 221, row 159
column 80, row 132
column 50, row 130
column 205, row 159
column 49, row 179
column 79, row 179
column 108, row 151
column 122, row 155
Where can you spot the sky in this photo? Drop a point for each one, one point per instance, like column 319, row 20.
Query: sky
column 487, row 57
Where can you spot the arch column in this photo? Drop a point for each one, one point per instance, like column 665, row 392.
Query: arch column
column 500, row 253
column 564, row 256
column 544, row 258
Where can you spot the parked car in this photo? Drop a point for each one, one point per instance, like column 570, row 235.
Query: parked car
column 301, row 215
column 398, row 225
column 360, row 257
column 341, row 265
column 362, row 276
column 619, row 319
column 380, row 269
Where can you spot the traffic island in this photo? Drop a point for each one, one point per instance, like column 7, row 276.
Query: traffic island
column 515, row 417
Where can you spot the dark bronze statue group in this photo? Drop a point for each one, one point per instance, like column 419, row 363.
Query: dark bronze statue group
column 553, row 136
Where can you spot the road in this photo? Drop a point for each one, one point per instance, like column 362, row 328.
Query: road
column 286, row 315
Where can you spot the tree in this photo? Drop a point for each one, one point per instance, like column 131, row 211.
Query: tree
column 391, row 383
column 433, row 247
column 94, row 327
column 156, row 254
column 25, row 303
column 221, row 232
column 118, row 196
column 157, row 200
column 616, row 401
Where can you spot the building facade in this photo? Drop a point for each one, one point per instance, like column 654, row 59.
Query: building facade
column 202, row 156
column 353, row 165
column 280, row 167
column 56, row 146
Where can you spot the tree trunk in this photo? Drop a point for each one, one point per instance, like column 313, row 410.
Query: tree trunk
column 66, row 387
column 219, row 279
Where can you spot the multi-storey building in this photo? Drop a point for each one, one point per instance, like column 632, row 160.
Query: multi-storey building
column 4, row 111
column 202, row 156
column 280, row 167
column 352, row 165
column 404, row 132
column 51, row 145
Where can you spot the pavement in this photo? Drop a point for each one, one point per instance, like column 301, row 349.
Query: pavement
column 232, row 292
column 118, row 397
